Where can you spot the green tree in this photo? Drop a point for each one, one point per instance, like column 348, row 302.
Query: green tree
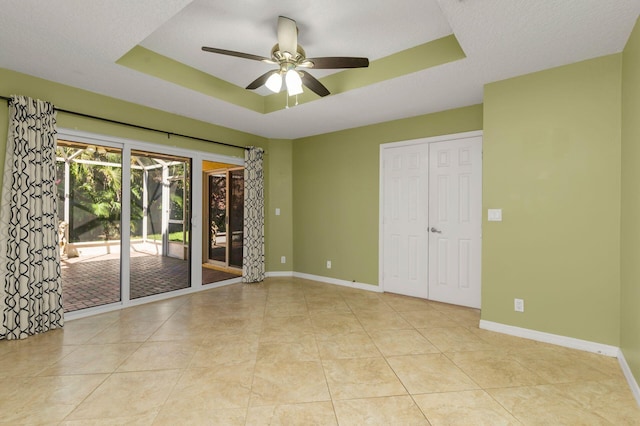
column 96, row 190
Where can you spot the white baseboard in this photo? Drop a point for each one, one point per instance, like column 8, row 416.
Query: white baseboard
column 633, row 384
column 278, row 274
column 344, row 283
column 555, row 339
column 221, row 283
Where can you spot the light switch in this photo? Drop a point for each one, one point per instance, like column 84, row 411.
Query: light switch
column 494, row 215
column 277, row 212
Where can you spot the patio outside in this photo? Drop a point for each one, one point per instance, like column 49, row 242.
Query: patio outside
column 94, row 280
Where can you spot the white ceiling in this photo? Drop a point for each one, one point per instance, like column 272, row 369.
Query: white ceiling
column 78, row 43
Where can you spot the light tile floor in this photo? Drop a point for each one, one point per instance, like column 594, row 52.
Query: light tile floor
column 290, row 351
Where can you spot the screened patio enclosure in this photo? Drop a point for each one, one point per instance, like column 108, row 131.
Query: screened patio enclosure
column 90, row 206
column 89, row 196
column 165, row 205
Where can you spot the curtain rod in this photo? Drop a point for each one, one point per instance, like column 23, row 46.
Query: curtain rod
column 169, row 134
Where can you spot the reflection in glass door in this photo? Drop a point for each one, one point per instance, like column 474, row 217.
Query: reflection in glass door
column 236, row 217
column 160, row 208
column 225, row 193
column 218, row 216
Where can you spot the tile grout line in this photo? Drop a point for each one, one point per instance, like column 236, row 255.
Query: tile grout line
column 324, row 371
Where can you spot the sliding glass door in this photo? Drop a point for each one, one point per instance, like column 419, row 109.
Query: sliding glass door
column 236, row 216
column 89, row 179
column 217, row 201
column 90, row 203
column 225, row 216
column 125, row 213
column 160, row 208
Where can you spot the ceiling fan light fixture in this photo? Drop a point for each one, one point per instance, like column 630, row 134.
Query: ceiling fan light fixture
column 289, row 55
column 274, row 82
column 294, row 82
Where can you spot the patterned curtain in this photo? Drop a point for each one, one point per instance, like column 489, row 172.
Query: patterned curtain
column 30, row 282
column 253, row 243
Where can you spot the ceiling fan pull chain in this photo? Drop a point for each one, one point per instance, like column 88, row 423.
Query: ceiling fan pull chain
column 287, row 107
column 296, row 100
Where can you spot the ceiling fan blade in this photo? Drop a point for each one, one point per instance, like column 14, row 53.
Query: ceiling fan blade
column 338, row 62
column 287, row 35
column 260, row 81
column 237, row 54
column 313, row 84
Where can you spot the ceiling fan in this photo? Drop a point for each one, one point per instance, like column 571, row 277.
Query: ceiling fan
column 289, row 56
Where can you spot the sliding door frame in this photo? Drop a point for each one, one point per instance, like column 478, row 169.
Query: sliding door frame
column 197, row 157
column 206, row 234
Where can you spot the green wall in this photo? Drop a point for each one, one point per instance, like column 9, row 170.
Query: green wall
column 552, row 164
column 279, row 190
column 77, row 100
column 630, row 226
column 82, row 101
column 336, row 188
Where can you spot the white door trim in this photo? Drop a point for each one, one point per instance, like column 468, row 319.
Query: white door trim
column 385, row 146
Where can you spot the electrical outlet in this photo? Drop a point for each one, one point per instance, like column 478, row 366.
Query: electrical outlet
column 328, row 264
column 518, row 305
column 494, row 215
column 283, row 259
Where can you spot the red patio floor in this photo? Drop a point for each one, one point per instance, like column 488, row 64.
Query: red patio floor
column 95, row 281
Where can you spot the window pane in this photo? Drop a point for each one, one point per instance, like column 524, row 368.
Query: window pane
column 236, row 216
column 160, row 250
column 218, row 217
column 89, row 223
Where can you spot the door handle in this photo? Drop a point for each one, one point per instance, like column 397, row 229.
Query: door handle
column 435, row 230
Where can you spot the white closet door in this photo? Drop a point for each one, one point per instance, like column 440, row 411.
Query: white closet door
column 405, row 220
column 455, row 219
column 431, row 218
